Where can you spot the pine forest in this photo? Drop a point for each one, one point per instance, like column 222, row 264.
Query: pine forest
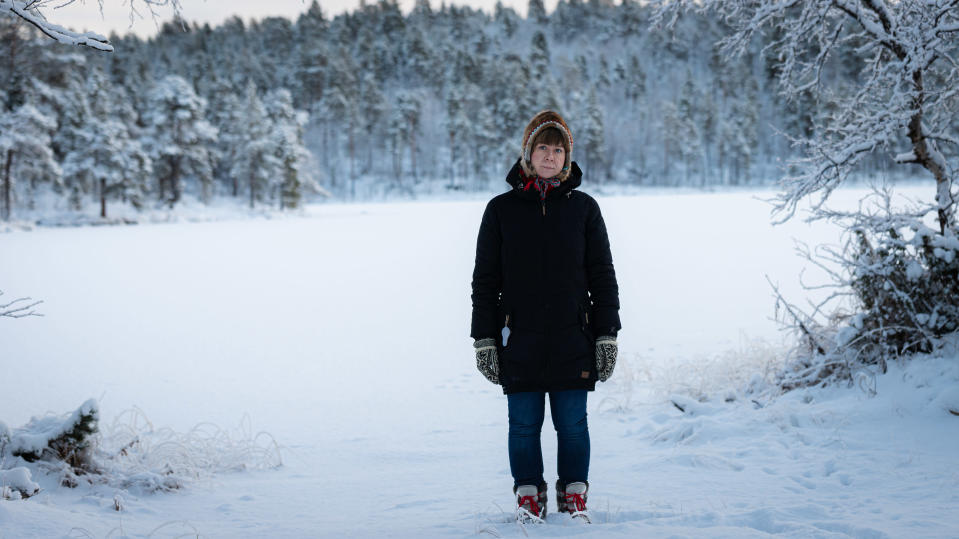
column 376, row 104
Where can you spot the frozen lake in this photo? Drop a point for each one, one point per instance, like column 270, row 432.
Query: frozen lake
column 269, row 317
column 343, row 332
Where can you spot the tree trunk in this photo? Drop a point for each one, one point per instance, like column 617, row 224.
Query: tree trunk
column 412, row 153
column 161, row 187
column 452, row 164
column 369, row 151
column 6, row 185
column 326, row 153
column 252, row 189
column 103, row 198
column 930, row 159
column 175, row 187
column 352, row 146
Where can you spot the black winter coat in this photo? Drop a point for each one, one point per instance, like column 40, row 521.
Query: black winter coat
column 544, row 269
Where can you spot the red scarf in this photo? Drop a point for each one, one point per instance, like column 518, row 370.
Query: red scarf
column 542, row 185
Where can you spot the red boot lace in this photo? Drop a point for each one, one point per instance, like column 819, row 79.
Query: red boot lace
column 533, row 506
column 576, row 500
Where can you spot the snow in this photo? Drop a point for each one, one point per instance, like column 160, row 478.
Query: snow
column 914, row 270
column 342, row 333
column 16, row 483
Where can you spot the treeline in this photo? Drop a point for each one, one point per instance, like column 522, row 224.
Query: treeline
column 377, row 102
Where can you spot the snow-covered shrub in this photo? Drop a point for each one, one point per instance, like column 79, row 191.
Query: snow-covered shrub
column 129, row 454
column 69, row 438
column 903, row 281
column 64, row 445
column 138, row 456
column 906, row 280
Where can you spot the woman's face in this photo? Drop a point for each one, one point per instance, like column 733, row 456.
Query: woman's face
column 548, row 159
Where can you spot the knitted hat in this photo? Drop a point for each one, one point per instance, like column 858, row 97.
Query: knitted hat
column 541, row 121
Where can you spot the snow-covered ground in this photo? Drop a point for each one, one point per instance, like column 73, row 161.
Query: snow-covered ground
column 343, row 333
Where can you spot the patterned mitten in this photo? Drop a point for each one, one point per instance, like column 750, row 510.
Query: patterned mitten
column 486, row 361
column 606, row 350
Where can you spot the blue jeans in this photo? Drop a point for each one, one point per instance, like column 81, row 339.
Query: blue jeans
column 526, row 413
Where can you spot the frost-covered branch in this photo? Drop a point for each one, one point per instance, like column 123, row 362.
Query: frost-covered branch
column 30, row 11
column 905, row 93
column 19, row 308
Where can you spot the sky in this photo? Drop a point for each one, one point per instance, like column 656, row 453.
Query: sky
column 85, row 15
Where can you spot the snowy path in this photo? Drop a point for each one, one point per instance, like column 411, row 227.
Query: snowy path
column 343, row 334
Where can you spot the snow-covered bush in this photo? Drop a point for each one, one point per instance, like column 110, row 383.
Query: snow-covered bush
column 64, row 445
column 51, row 438
column 903, row 280
column 129, row 454
column 906, row 279
column 136, row 455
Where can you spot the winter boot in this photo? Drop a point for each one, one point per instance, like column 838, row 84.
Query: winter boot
column 531, row 503
column 571, row 498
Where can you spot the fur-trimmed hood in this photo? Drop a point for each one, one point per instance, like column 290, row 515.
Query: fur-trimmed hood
column 543, row 120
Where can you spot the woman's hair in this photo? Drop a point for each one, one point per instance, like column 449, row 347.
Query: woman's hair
column 551, row 136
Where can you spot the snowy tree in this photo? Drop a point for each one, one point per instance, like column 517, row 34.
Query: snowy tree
column 905, row 100
column 512, row 103
column 342, row 109
column 689, row 128
column 506, row 17
column 293, row 178
column 419, row 56
column 594, row 140
column 106, row 156
column 313, row 55
column 902, row 103
column 179, row 138
column 543, row 82
column 536, row 11
column 26, row 156
column 404, row 127
column 227, row 113
column 739, row 136
column 373, row 109
column 482, row 135
column 458, row 128
column 256, row 163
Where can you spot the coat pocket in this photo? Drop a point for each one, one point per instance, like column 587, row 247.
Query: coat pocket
column 584, row 324
column 521, row 358
column 573, row 355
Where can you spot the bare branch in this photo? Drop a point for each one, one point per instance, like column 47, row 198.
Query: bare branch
column 12, row 310
column 29, row 10
column 801, row 323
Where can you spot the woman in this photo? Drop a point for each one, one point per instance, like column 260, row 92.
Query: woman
column 545, row 312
